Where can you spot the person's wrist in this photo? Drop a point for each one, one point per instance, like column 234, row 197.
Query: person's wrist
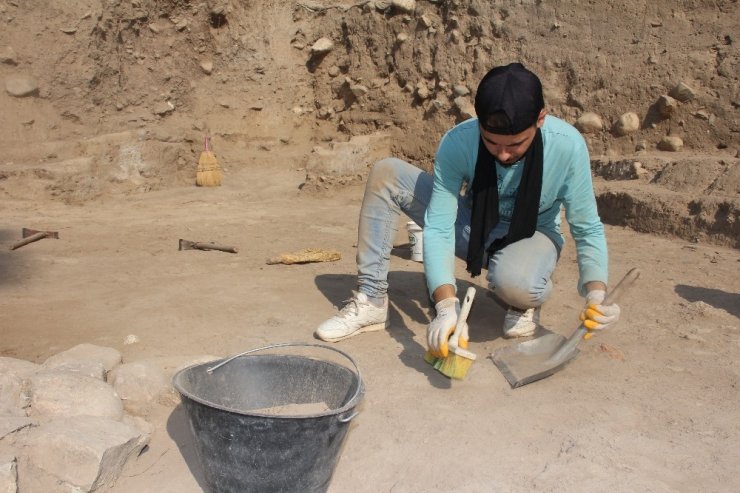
column 446, row 303
column 595, row 296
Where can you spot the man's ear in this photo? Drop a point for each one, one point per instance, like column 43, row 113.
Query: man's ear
column 541, row 118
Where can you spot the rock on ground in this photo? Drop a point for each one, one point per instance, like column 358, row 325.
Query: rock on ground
column 106, row 356
column 589, row 123
column 138, row 384
column 55, row 394
column 86, row 452
column 21, row 86
column 8, row 475
column 627, row 123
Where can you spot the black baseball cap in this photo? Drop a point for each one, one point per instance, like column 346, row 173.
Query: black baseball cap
column 509, row 99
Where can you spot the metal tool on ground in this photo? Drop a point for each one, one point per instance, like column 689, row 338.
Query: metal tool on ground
column 209, row 171
column 31, row 235
column 459, row 359
column 539, row 358
column 197, row 245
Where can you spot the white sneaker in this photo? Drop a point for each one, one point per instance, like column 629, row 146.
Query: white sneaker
column 521, row 323
column 357, row 316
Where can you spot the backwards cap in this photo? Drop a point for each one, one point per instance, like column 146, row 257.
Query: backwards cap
column 509, row 99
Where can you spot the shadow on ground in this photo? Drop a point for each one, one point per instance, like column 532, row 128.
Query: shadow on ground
column 729, row 302
column 178, row 428
column 407, row 293
column 10, row 263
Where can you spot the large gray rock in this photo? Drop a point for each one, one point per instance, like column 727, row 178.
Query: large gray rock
column 139, row 384
column 87, row 359
column 20, row 367
column 15, row 386
column 94, row 369
column 13, row 395
column 85, row 452
column 63, row 394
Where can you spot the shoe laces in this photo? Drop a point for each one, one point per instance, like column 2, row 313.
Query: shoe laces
column 351, row 308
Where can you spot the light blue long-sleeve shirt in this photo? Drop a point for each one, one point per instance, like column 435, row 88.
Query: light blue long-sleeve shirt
column 566, row 182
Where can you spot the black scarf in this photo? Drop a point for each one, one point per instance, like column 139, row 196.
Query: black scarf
column 485, row 203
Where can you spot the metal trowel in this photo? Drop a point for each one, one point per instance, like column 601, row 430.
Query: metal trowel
column 539, row 358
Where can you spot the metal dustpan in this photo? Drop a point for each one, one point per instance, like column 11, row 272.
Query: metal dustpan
column 539, row 358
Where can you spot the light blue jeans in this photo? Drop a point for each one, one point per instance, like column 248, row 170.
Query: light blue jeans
column 520, row 274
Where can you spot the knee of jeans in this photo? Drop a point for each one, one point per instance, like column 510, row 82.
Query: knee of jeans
column 382, row 173
column 518, row 292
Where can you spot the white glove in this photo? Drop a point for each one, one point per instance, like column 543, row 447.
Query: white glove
column 443, row 325
column 596, row 316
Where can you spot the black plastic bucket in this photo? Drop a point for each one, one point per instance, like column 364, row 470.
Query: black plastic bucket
column 242, row 445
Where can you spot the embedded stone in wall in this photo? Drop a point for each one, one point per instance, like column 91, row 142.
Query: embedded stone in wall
column 589, row 123
column 406, row 6
column 322, row 46
column 666, row 105
column 7, row 55
column 670, row 143
column 682, row 92
column 465, row 107
column 21, row 86
column 626, row 124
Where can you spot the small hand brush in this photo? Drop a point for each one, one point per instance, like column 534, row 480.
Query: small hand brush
column 459, row 359
column 209, row 171
column 430, row 358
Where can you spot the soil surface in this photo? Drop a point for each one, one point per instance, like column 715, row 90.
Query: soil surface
column 104, row 151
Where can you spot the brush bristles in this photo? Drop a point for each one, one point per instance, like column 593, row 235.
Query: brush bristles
column 209, row 172
column 430, row 358
column 457, row 364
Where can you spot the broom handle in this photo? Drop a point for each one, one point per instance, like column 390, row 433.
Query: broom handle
column 206, row 143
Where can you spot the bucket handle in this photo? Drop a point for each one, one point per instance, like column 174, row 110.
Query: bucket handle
column 341, row 419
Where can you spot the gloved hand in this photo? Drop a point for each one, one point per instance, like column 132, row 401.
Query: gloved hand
column 596, row 316
column 443, row 325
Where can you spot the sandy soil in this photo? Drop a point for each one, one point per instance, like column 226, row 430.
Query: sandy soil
column 649, row 406
column 104, row 148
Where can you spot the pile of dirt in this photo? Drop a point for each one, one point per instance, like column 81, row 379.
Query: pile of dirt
column 115, row 97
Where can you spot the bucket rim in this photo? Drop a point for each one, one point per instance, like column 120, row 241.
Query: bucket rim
column 349, row 406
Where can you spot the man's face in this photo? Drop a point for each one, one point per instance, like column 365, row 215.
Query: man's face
column 508, row 149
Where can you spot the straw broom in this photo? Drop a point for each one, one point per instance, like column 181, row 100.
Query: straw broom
column 209, row 172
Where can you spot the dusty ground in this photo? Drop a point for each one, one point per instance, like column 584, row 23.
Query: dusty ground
column 98, row 155
column 649, row 406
